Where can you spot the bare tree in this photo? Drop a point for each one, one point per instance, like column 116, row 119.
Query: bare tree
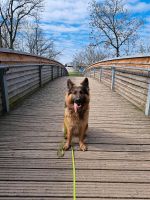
column 93, row 54
column 113, row 24
column 142, row 47
column 4, row 37
column 79, row 59
column 12, row 13
column 88, row 56
column 1, row 39
column 2, row 28
column 37, row 42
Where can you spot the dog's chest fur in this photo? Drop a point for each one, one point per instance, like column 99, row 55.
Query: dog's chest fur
column 75, row 120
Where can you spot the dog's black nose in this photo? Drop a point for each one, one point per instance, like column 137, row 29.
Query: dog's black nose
column 77, row 101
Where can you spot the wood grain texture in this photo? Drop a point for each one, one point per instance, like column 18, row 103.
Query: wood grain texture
column 0, row 100
column 62, row 198
column 130, row 83
column 24, row 80
column 116, row 165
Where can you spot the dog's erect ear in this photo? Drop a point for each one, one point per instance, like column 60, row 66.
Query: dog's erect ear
column 70, row 84
column 85, row 83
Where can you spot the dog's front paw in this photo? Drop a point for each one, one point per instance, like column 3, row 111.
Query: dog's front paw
column 83, row 147
column 66, row 146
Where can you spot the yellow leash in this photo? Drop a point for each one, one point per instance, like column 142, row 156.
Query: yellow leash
column 74, row 174
column 60, row 153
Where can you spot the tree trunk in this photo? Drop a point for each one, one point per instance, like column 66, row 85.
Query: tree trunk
column 117, row 52
column 11, row 45
column 1, row 42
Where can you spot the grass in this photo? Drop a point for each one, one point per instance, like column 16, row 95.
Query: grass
column 76, row 73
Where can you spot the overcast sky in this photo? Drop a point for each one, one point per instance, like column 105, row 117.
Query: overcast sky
column 67, row 23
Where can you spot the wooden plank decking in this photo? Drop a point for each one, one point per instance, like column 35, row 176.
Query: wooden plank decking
column 116, row 165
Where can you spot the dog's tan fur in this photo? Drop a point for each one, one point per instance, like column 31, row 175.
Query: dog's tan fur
column 76, row 123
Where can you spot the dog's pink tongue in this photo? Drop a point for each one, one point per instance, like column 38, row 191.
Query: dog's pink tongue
column 76, row 107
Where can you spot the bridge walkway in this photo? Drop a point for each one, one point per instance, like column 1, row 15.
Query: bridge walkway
column 116, row 165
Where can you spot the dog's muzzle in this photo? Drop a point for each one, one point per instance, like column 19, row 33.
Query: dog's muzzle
column 77, row 104
column 77, row 101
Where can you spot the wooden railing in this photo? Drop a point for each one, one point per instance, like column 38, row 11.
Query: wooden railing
column 127, row 76
column 23, row 78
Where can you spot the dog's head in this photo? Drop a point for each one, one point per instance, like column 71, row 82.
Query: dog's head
column 78, row 96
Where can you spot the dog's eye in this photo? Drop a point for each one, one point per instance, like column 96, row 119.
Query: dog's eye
column 81, row 92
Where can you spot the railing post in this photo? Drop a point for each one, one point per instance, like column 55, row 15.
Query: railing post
column 94, row 72
column 52, row 72
column 4, row 88
column 57, row 71
column 100, row 74
column 40, row 75
column 90, row 72
column 113, row 79
column 86, row 74
column 147, row 107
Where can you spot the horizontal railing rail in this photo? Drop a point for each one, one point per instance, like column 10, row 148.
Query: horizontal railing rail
column 8, row 56
column 136, row 61
column 21, row 79
column 131, row 82
column 26, row 65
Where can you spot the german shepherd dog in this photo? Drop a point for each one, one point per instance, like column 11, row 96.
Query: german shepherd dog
column 76, row 112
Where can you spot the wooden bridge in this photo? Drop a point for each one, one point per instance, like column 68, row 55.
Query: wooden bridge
column 117, row 163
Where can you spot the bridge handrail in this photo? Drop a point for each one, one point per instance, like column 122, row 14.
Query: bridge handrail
column 119, row 67
column 6, row 66
column 132, row 82
column 19, row 78
column 141, row 60
column 11, row 57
